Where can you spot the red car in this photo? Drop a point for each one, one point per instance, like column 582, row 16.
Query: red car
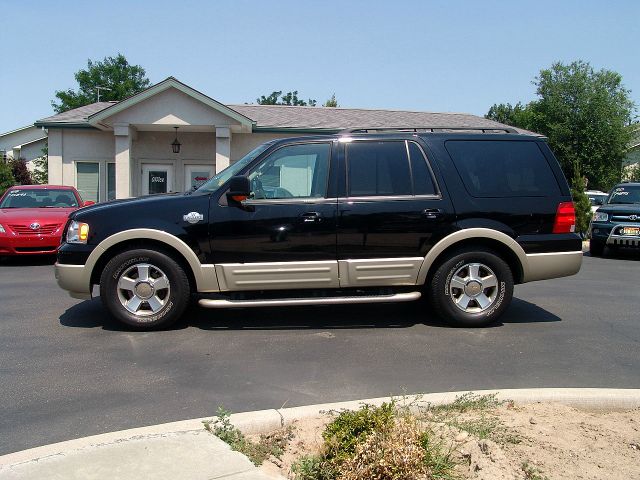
column 32, row 218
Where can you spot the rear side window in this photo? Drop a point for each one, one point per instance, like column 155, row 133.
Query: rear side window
column 422, row 180
column 378, row 168
column 503, row 168
column 388, row 168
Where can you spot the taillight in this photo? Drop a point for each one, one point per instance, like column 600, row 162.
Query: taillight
column 565, row 221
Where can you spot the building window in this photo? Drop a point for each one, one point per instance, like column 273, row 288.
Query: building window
column 88, row 180
column 3, row 155
column 111, row 181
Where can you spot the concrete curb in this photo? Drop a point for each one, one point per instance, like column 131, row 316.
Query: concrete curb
column 262, row 421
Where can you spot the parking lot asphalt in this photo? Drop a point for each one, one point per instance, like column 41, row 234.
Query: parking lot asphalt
column 68, row 371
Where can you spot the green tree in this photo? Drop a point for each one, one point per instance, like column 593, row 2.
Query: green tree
column 6, row 177
column 289, row 98
column 582, row 204
column 586, row 116
column 115, row 75
column 41, row 173
column 517, row 115
column 332, row 102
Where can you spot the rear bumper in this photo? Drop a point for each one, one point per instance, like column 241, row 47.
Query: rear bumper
column 28, row 244
column 543, row 266
column 74, row 279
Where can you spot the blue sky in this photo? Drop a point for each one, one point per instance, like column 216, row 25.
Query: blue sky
column 459, row 56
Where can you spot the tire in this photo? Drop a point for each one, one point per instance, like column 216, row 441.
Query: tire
column 478, row 278
column 596, row 248
column 157, row 301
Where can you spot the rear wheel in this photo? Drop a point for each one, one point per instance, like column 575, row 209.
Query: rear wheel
column 144, row 289
column 596, row 248
column 472, row 288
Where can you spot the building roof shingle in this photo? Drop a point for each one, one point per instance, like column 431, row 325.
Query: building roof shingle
column 282, row 116
column 77, row 115
column 311, row 118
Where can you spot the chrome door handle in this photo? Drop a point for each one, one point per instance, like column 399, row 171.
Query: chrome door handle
column 309, row 217
column 432, row 213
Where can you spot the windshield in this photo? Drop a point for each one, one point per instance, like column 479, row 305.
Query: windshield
column 221, row 178
column 625, row 194
column 597, row 199
column 28, row 198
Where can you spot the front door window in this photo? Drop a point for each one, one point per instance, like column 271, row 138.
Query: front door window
column 296, row 171
column 157, row 179
column 196, row 175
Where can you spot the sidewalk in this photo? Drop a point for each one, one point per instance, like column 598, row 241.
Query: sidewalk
column 170, row 456
column 184, row 450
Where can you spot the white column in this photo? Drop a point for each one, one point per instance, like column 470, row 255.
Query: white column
column 223, row 148
column 55, row 158
column 123, row 137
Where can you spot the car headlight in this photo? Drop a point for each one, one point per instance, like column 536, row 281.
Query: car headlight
column 2, row 230
column 600, row 216
column 77, row 232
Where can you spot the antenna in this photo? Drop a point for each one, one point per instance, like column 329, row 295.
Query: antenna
column 98, row 88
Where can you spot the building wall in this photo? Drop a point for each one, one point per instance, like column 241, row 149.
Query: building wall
column 243, row 143
column 171, row 107
column 197, row 148
column 69, row 146
column 32, row 138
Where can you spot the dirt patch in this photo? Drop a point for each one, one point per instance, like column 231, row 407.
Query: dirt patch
column 508, row 441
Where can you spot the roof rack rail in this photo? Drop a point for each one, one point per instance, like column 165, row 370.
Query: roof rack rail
column 429, row 129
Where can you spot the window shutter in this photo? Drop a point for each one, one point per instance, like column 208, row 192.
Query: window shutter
column 88, row 180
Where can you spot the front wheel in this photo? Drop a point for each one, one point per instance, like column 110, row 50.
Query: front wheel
column 472, row 288
column 144, row 289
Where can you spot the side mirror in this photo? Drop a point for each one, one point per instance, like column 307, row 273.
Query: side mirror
column 88, row 203
column 239, row 189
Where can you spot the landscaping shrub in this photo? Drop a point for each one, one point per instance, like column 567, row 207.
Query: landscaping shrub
column 20, row 172
column 377, row 443
column 6, row 177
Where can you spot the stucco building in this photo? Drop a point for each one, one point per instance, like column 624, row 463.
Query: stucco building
column 122, row 149
column 26, row 142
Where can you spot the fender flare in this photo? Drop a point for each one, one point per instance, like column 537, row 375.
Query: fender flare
column 466, row 234
column 205, row 276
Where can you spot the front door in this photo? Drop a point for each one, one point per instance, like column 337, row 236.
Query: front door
column 157, row 178
column 285, row 236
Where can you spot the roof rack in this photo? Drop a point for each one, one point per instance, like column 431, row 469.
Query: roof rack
column 429, row 129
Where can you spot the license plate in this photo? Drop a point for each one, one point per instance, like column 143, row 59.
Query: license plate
column 631, row 231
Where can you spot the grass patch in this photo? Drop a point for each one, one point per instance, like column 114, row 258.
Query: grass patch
column 267, row 445
column 468, row 402
column 532, row 473
column 473, row 414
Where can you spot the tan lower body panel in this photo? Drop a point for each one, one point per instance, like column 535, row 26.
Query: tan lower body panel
column 376, row 272
column 379, row 272
column 277, row 275
column 543, row 266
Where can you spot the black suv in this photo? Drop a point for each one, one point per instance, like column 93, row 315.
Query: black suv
column 617, row 223
column 350, row 218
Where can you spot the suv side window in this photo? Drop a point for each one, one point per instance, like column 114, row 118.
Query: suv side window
column 387, row 168
column 423, row 183
column 491, row 168
column 294, row 171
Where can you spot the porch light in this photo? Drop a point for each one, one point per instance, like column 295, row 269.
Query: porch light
column 175, row 145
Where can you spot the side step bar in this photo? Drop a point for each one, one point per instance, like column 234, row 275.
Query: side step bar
column 282, row 302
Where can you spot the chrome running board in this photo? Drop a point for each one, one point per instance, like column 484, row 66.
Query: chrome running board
column 282, row 302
